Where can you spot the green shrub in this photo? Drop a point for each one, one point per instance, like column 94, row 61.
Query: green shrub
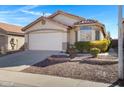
column 103, row 45
column 94, row 51
column 82, row 46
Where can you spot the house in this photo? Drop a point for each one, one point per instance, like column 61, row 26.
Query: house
column 11, row 37
column 61, row 29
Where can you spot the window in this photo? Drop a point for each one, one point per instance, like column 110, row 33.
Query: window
column 85, row 28
column 85, row 33
column 97, row 35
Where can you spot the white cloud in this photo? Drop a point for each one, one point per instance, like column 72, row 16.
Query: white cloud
column 5, row 21
column 18, row 16
column 36, row 13
column 28, row 7
column 47, row 14
column 28, row 10
column 31, row 12
column 25, row 8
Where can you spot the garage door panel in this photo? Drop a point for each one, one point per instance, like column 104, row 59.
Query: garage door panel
column 45, row 41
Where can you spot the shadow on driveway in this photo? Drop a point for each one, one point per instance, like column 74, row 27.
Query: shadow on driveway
column 52, row 60
column 25, row 58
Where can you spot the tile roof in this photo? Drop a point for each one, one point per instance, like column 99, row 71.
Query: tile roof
column 88, row 21
column 10, row 28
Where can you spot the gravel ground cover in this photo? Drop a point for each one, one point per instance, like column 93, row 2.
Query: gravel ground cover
column 61, row 66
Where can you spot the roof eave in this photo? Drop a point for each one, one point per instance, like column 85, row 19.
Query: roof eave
column 15, row 33
column 32, row 23
column 39, row 19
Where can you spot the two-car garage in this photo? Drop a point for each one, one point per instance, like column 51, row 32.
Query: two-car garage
column 46, row 34
column 45, row 41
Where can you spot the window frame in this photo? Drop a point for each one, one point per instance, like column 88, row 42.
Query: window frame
column 97, row 35
column 86, row 33
column 86, row 28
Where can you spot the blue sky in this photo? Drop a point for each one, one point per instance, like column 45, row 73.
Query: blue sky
column 23, row 15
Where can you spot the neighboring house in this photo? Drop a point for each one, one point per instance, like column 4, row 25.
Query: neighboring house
column 11, row 37
column 61, row 29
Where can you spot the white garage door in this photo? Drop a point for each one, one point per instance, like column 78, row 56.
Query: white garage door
column 45, row 41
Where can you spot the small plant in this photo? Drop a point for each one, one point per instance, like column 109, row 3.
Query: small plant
column 72, row 51
column 82, row 46
column 94, row 51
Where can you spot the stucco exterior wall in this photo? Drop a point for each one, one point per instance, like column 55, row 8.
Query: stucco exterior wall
column 65, row 41
column 72, row 37
column 48, row 25
column 101, row 35
column 65, row 19
column 93, row 35
column 26, row 38
column 18, row 41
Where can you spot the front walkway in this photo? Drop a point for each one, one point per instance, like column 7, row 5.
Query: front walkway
column 10, row 78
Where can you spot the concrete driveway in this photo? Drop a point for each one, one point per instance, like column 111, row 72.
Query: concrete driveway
column 22, row 60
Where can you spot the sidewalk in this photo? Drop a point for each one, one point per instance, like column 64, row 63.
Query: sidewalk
column 10, row 78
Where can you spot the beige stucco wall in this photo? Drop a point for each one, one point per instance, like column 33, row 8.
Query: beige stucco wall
column 101, row 35
column 64, row 36
column 93, row 35
column 18, row 40
column 72, row 36
column 48, row 25
column 65, row 19
column 26, row 37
